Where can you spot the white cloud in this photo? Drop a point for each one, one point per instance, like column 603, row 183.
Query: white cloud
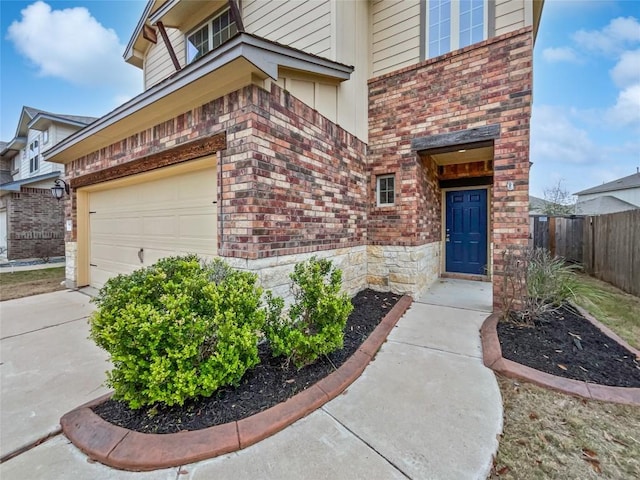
column 626, row 111
column 561, row 149
column 555, row 139
column 72, row 45
column 617, row 36
column 627, row 70
column 560, row 54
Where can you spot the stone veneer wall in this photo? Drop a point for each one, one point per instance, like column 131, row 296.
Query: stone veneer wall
column 34, row 224
column 273, row 272
column 403, row 269
column 485, row 83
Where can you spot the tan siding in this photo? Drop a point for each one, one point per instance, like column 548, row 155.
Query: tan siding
column 395, row 35
column 158, row 64
column 327, row 101
column 510, row 15
column 63, row 132
column 305, row 25
column 303, row 90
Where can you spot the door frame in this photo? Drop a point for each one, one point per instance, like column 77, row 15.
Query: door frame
column 443, row 233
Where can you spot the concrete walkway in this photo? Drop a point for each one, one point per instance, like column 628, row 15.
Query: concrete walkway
column 47, row 365
column 426, row 408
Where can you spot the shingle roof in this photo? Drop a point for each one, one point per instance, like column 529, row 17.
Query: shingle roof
column 32, row 112
column 621, row 184
column 536, row 204
column 603, row 205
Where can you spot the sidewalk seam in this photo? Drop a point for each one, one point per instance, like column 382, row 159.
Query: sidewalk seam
column 31, row 445
column 366, row 443
column 479, row 357
column 422, row 302
column 44, row 328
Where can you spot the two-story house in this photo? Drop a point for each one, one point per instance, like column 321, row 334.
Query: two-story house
column 31, row 220
column 618, row 195
column 390, row 136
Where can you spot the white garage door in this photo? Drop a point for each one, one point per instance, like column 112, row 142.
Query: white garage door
column 133, row 226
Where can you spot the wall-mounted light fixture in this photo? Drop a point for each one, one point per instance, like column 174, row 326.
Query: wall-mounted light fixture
column 59, row 189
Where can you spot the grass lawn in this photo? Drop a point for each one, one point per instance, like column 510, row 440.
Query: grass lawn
column 549, row 435
column 30, row 282
column 618, row 310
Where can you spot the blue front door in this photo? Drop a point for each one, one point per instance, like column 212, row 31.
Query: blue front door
column 466, row 231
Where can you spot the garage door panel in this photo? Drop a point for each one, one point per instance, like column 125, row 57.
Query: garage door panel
column 103, row 254
column 165, row 217
column 109, row 225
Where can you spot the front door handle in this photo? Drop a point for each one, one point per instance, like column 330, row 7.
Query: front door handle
column 141, row 255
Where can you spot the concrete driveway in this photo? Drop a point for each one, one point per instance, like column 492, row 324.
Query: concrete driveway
column 47, row 365
column 425, row 408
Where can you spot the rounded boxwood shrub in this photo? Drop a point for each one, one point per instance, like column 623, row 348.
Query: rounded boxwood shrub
column 178, row 329
column 316, row 320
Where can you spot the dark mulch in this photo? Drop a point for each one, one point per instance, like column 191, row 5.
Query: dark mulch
column 566, row 344
column 266, row 385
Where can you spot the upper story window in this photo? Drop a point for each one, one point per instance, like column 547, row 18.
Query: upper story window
column 210, row 35
column 45, row 136
column 455, row 24
column 34, row 164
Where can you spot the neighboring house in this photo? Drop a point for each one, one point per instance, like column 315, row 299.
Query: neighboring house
column 616, row 196
column 382, row 134
column 31, row 220
column 537, row 205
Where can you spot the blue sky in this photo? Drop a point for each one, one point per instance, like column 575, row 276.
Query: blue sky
column 66, row 57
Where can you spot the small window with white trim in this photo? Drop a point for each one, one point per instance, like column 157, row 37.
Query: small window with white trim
column 386, row 190
column 45, row 136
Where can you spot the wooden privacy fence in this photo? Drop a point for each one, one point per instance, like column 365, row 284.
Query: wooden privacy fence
column 562, row 236
column 608, row 246
column 612, row 249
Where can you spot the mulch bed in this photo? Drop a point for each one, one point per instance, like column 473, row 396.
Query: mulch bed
column 266, row 385
column 565, row 344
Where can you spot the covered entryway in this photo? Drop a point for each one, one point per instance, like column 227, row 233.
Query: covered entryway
column 135, row 222
column 466, row 231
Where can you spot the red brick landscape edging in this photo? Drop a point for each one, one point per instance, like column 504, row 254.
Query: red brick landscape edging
column 129, row 450
column 493, row 359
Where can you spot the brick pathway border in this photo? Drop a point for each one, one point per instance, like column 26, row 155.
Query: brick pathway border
column 493, row 359
column 129, row 450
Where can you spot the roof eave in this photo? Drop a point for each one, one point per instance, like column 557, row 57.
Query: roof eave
column 17, row 184
column 129, row 53
column 36, row 122
column 15, row 144
column 266, row 56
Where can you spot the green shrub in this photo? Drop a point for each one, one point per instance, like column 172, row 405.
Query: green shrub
column 549, row 279
column 316, row 320
column 178, row 329
column 537, row 282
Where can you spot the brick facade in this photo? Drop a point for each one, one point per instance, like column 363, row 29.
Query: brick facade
column 292, row 183
column 35, row 226
column 484, row 84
